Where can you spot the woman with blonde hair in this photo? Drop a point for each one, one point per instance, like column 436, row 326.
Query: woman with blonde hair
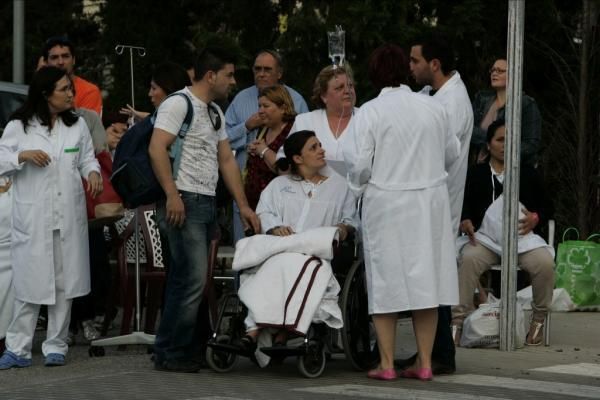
column 276, row 109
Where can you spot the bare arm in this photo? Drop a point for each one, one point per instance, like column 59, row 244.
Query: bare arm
column 161, row 164
column 233, row 181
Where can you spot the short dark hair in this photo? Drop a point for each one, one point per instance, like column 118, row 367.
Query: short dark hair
column 53, row 41
column 170, row 77
column 436, row 47
column 494, row 126
column 42, row 86
column 212, row 59
column 388, row 66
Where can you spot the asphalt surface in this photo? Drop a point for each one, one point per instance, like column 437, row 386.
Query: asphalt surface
column 568, row 369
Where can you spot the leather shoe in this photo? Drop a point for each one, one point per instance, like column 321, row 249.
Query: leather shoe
column 187, row 366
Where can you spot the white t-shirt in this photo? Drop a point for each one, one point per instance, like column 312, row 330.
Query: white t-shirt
column 199, row 167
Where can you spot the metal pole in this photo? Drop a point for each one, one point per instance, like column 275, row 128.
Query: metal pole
column 512, row 151
column 19, row 41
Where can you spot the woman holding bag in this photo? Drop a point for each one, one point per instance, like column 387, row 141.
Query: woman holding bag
column 481, row 247
column 47, row 149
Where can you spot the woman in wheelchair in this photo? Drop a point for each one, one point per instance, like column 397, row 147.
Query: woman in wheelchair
column 309, row 197
column 482, row 226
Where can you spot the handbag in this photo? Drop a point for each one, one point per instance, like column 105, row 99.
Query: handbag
column 107, row 207
column 578, row 270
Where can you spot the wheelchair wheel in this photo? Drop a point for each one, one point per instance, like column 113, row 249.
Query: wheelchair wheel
column 219, row 360
column 358, row 333
column 312, row 364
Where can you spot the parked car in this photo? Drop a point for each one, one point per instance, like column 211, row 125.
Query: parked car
column 12, row 96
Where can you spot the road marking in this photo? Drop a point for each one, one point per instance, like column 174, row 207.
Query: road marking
column 390, row 393
column 583, row 369
column 568, row 389
column 216, row 398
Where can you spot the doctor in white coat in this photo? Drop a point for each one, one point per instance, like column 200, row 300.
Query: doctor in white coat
column 431, row 61
column 6, row 291
column 47, row 149
column 401, row 144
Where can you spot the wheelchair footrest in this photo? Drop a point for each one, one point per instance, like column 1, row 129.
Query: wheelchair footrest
column 284, row 351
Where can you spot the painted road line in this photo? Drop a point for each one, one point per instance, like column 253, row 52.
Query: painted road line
column 568, row 389
column 582, row 369
column 390, row 393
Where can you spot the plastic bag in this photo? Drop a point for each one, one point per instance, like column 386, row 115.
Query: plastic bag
column 482, row 327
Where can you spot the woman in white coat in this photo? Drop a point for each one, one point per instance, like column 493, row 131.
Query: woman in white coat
column 47, row 149
column 6, row 291
column 401, row 142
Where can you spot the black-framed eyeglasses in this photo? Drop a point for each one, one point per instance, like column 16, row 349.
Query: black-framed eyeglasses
column 498, row 70
column 214, row 116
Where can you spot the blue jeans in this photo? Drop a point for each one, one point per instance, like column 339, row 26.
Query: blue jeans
column 177, row 334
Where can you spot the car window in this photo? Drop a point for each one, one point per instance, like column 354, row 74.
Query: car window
column 9, row 102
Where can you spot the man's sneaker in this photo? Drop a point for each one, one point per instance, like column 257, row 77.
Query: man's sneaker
column 188, row 366
column 54, row 360
column 11, row 360
column 42, row 323
column 89, row 330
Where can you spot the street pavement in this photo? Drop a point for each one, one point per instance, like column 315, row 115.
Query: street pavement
column 568, row 369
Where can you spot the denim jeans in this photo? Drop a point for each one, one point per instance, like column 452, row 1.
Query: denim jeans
column 177, row 334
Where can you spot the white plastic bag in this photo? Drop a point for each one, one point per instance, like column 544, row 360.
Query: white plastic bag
column 482, row 327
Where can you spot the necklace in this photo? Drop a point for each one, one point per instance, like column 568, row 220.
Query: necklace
column 309, row 187
column 337, row 132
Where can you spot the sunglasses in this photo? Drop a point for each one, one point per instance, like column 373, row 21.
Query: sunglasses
column 214, row 116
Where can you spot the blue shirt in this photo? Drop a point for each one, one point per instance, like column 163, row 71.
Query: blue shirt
column 241, row 108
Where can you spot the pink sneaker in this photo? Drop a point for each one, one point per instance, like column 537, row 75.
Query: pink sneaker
column 383, row 374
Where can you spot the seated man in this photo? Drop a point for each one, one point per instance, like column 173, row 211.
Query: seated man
column 482, row 223
column 292, row 204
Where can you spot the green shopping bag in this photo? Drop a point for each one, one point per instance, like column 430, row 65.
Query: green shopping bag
column 578, row 270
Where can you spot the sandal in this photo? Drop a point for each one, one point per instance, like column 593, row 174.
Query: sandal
column 456, row 334
column 536, row 334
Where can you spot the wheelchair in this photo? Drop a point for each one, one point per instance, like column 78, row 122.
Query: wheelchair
column 315, row 348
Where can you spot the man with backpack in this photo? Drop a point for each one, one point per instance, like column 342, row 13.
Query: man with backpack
column 187, row 215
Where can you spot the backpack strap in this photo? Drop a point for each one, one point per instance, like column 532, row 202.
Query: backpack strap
column 176, row 147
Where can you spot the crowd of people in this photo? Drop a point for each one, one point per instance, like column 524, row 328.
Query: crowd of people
column 428, row 167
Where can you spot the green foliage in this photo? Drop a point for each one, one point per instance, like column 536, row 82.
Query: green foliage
column 477, row 30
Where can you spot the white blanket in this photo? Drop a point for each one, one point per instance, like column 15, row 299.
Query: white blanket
column 254, row 250
column 290, row 289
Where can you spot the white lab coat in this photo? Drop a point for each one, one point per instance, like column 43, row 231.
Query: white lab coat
column 401, row 144
column 6, row 290
column 455, row 99
column 46, row 199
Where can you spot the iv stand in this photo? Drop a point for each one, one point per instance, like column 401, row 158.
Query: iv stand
column 138, row 336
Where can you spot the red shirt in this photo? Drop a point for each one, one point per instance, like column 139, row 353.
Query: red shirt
column 87, row 95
